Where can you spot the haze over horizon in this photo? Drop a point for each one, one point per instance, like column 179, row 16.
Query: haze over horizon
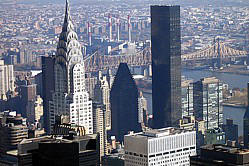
column 217, row 3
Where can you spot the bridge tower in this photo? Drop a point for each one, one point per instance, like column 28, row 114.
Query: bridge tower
column 219, row 58
column 213, row 60
column 217, row 53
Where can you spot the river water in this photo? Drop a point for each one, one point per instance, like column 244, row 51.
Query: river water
column 233, row 80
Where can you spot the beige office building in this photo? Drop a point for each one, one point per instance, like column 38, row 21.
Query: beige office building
column 7, row 79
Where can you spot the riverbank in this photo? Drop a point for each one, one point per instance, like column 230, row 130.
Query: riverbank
column 233, row 69
column 235, row 105
column 233, row 80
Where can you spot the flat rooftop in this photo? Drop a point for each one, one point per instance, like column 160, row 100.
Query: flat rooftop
column 154, row 133
column 208, row 80
column 186, row 83
column 49, row 139
column 225, row 149
column 119, row 154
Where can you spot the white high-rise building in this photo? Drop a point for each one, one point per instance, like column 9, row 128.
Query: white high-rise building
column 99, row 127
column 160, row 147
column 142, row 106
column 102, row 95
column 102, row 92
column 7, row 79
column 70, row 97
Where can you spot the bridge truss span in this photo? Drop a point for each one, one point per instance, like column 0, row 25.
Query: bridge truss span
column 97, row 62
column 218, row 51
column 215, row 51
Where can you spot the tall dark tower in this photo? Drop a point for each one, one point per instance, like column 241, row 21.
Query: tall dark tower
column 47, row 87
column 246, row 122
column 124, row 103
column 166, row 65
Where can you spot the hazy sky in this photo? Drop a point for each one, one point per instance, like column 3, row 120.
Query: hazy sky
column 181, row 2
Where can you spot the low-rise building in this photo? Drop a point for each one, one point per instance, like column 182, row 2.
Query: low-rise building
column 220, row 155
column 13, row 130
column 115, row 158
column 231, row 131
column 69, row 150
column 215, row 136
column 166, row 146
column 190, row 123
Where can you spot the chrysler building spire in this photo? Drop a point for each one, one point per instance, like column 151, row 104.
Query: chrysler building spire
column 67, row 13
column 69, row 79
column 68, row 45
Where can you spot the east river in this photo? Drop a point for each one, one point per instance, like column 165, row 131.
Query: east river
column 233, row 80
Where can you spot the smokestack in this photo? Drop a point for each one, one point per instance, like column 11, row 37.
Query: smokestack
column 118, row 27
column 129, row 29
column 89, row 34
column 110, row 27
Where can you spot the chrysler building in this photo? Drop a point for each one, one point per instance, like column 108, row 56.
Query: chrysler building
column 70, row 98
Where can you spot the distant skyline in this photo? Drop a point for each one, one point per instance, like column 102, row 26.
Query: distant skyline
column 217, row 3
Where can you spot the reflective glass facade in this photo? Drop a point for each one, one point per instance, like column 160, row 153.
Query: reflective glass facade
column 207, row 102
column 124, row 104
column 187, row 98
column 166, row 65
column 246, row 122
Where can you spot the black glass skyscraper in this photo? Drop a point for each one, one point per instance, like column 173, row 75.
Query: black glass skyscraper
column 124, row 103
column 246, row 122
column 166, row 65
